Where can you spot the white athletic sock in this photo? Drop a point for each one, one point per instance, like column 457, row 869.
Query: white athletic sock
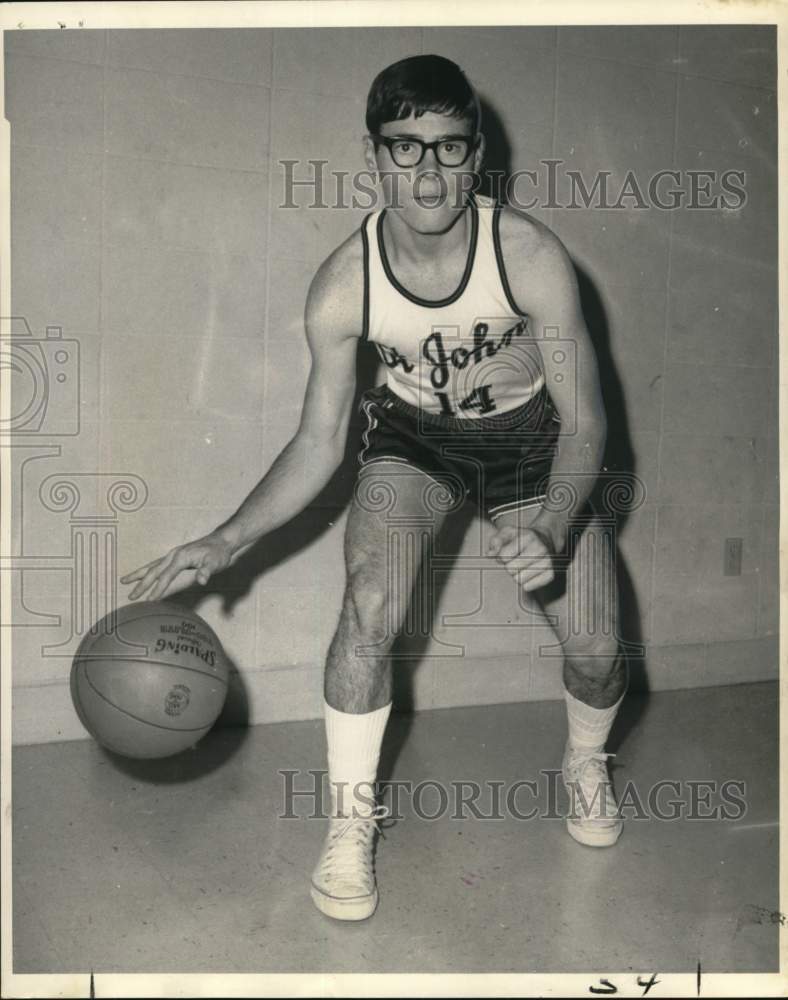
column 589, row 727
column 354, row 743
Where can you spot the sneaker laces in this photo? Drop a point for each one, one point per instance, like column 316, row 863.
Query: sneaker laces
column 586, row 771
column 350, row 842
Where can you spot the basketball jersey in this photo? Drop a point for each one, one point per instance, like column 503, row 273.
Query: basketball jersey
column 466, row 355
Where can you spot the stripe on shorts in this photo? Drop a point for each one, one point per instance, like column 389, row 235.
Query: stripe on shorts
column 372, row 423
column 507, row 508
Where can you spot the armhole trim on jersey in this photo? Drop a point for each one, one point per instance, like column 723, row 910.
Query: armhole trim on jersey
column 365, row 316
column 499, row 259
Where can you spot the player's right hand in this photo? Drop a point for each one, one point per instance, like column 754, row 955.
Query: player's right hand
column 205, row 556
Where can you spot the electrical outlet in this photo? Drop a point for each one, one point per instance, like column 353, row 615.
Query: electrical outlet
column 732, row 560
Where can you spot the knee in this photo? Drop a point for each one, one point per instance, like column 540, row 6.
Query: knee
column 593, row 657
column 367, row 599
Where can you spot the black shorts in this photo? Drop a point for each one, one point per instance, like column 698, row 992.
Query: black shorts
column 501, row 462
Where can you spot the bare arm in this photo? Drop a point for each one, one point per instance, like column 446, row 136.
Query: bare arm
column 333, row 318
column 308, row 461
column 544, row 284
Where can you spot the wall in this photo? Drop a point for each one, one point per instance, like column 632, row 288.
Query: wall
column 145, row 223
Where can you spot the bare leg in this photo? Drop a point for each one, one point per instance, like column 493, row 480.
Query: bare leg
column 594, row 670
column 391, row 524
column 595, row 678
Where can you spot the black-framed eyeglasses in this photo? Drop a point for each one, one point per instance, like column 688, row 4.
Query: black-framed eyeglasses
column 450, row 151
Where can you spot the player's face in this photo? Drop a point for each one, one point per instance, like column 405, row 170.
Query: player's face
column 429, row 195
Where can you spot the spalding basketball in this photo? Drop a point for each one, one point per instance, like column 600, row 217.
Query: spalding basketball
column 149, row 679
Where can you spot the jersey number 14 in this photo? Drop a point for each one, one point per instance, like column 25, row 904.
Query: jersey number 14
column 479, row 399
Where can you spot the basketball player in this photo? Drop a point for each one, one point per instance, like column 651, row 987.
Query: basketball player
column 459, row 296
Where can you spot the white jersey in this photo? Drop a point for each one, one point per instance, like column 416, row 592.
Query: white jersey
column 465, row 355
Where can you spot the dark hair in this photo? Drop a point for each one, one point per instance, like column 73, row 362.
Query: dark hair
column 418, row 84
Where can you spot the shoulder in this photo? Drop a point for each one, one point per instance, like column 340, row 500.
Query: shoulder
column 539, row 269
column 528, row 243
column 335, row 301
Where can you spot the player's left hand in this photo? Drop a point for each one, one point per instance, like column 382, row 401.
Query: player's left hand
column 527, row 554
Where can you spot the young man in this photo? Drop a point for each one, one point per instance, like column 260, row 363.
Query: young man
column 457, row 294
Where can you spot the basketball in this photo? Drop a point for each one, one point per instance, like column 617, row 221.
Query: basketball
column 149, row 679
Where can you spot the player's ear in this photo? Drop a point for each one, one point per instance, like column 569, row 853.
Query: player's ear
column 369, row 154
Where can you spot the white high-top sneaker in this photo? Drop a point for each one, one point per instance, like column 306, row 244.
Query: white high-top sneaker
column 343, row 883
column 593, row 817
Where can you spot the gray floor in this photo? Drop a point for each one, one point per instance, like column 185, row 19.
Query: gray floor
column 183, row 864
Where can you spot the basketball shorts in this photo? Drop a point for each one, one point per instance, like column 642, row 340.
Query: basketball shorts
column 500, row 461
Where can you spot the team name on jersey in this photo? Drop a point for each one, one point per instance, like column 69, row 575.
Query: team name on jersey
column 441, row 360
